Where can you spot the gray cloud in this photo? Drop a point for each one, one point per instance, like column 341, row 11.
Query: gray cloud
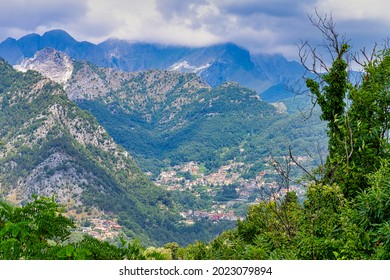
column 193, row 14
column 181, row 8
column 270, row 26
column 277, row 25
column 261, row 26
column 275, row 8
column 28, row 15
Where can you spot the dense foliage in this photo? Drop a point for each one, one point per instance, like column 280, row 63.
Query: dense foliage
column 40, row 231
column 345, row 214
column 325, row 226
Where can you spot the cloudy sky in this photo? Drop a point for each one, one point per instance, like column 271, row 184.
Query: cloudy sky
column 268, row 26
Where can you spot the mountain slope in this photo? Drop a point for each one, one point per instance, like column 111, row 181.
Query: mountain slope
column 51, row 147
column 169, row 117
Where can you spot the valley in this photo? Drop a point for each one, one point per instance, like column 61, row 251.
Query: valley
column 197, row 154
column 194, row 130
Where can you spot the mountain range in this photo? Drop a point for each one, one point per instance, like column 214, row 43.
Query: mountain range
column 169, row 116
column 95, row 135
column 49, row 146
column 214, row 64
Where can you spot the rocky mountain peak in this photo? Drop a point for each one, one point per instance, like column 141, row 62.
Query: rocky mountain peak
column 51, row 63
column 58, row 34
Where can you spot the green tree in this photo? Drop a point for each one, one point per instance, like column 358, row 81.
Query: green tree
column 40, row 231
column 357, row 116
column 28, row 232
column 345, row 214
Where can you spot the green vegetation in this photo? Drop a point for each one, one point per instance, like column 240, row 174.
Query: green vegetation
column 216, row 126
column 50, row 146
column 228, row 192
column 326, row 226
column 346, row 211
column 40, row 231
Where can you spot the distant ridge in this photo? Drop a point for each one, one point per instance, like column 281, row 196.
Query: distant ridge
column 215, row 64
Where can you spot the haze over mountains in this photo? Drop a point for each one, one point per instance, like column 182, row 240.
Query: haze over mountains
column 214, row 64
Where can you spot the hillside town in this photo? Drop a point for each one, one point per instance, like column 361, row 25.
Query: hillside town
column 193, row 177
column 103, row 229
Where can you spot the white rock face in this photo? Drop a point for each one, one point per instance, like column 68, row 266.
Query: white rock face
column 280, row 107
column 53, row 64
column 184, row 66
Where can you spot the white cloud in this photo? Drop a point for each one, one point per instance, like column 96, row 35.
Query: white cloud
column 22, row 14
column 377, row 10
column 261, row 26
column 137, row 21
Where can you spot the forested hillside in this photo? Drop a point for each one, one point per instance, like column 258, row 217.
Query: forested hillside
column 51, row 147
column 175, row 121
column 346, row 211
column 211, row 148
column 165, row 118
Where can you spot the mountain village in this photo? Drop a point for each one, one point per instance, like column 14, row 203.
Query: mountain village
column 194, row 178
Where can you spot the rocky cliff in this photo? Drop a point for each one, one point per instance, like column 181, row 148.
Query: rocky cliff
column 48, row 146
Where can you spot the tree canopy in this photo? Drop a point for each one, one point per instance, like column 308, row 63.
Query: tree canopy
column 40, row 231
column 345, row 214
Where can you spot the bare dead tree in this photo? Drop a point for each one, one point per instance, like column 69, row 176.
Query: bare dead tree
column 316, row 60
column 313, row 60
